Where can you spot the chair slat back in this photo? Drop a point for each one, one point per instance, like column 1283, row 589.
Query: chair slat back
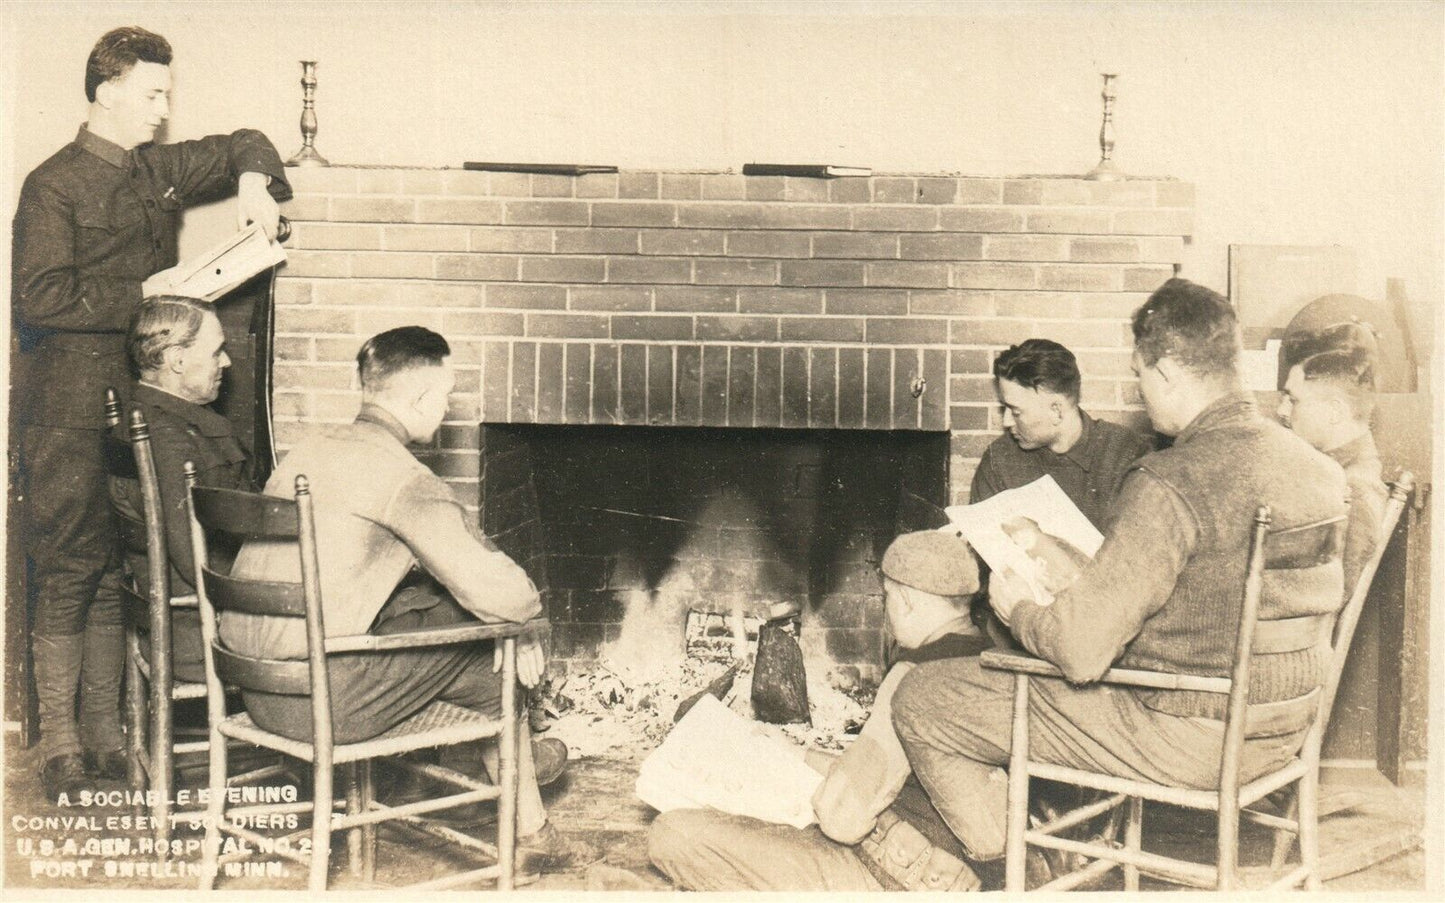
column 1285, row 716
column 1290, row 634
column 145, row 537
column 1312, row 546
column 132, row 532
column 1307, row 545
column 118, row 458
column 254, row 516
column 263, row 675
column 255, row 597
column 246, row 515
column 1307, row 552
column 158, row 563
column 1349, row 617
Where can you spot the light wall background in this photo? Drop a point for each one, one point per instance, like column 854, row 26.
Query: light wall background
column 1300, row 123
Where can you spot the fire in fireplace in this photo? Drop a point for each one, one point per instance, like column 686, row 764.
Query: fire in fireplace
column 628, row 529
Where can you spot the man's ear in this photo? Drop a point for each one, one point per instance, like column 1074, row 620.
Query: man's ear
column 1339, row 409
column 421, row 388
column 104, row 93
column 1169, row 369
column 174, row 357
column 1056, row 407
column 905, row 598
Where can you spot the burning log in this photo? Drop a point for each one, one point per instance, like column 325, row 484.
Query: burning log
column 718, row 688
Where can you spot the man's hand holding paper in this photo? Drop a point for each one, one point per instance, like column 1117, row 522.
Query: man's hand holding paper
column 254, row 204
column 1006, row 589
column 1033, row 538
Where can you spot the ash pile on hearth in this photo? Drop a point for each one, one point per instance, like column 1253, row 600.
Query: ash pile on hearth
column 608, row 709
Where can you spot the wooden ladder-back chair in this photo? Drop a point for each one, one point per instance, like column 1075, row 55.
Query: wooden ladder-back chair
column 1308, row 545
column 151, row 687
column 1340, row 640
column 253, row 516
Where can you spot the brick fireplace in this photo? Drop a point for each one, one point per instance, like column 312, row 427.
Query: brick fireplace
column 708, row 304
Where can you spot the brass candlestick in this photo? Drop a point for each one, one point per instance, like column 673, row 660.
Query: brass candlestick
column 307, row 155
column 1106, row 171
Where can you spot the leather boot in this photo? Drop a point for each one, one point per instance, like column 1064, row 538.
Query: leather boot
column 57, row 671
column 57, row 674
column 100, row 682
column 65, row 774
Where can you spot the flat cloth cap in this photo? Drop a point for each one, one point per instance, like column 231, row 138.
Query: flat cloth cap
column 933, row 561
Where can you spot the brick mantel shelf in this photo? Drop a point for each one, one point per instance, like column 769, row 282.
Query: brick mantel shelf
column 695, row 299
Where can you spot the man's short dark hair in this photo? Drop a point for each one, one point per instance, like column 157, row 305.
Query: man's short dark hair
column 1041, row 365
column 117, row 52
column 388, row 353
column 1193, row 325
column 160, row 323
column 1351, row 370
column 1341, row 336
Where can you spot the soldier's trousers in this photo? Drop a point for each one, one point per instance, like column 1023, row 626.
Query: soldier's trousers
column 70, row 539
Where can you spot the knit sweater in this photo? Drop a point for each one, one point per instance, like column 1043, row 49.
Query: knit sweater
column 1164, row 591
column 379, row 513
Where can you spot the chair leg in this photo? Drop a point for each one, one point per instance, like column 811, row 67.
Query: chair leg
column 368, row 832
column 1283, row 838
column 163, row 769
column 1015, row 849
column 354, row 841
column 507, row 775
column 1133, row 840
column 215, row 810
column 320, row 826
column 1309, row 827
column 1228, row 856
column 135, row 718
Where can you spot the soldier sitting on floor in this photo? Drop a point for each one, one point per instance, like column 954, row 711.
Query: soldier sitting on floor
column 873, row 833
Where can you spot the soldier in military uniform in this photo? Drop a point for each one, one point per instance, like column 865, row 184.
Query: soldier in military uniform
column 94, row 222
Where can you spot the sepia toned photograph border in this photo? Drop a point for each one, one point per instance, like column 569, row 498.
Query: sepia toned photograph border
column 724, row 287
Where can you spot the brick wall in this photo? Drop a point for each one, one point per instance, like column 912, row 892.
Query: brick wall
column 715, row 299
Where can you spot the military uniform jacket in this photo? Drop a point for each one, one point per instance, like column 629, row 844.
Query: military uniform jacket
column 94, row 222
column 181, row 431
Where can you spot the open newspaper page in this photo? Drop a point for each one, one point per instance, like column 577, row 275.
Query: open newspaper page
column 1035, row 531
column 715, row 758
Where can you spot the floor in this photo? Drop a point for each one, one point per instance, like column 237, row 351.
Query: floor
column 594, row 802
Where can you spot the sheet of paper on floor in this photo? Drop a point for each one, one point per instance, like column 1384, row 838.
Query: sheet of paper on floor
column 715, row 758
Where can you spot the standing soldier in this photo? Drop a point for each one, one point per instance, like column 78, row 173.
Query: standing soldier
column 94, row 222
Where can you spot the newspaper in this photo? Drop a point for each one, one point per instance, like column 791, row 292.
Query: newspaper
column 715, row 758
column 1034, row 531
column 220, row 268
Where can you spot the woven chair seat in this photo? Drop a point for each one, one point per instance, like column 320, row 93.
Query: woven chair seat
column 438, row 724
column 184, row 690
